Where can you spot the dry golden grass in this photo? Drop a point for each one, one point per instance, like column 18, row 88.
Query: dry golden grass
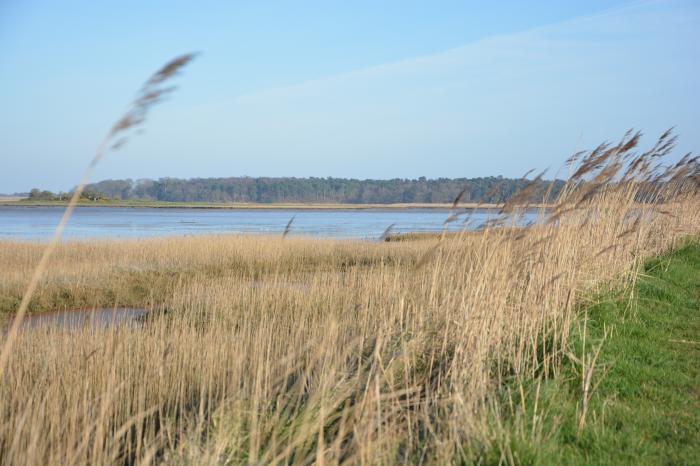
column 264, row 350
column 153, row 91
column 293, row 351
column 296, row 351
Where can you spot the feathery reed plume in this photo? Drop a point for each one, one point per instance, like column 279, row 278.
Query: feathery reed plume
column 387, row 232
column 523, row 196
column 150, row 94
column 288, row 228
column 453, row 214
column 574, row 157
column 458, row 198
column 331, row 352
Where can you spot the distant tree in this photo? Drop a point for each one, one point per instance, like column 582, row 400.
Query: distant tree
column 315, row 190
column 38, row 195
column 91, row 195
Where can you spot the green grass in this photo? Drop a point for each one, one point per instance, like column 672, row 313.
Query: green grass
column 645, row 408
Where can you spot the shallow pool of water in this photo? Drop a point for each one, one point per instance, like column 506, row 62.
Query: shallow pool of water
column 82, row 318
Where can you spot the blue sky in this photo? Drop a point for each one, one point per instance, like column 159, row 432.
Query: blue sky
column 361, row 89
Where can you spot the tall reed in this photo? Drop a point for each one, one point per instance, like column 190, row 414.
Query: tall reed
column 271, row 350
column 150, row 94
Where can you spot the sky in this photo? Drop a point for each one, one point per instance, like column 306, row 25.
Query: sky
column 362, row 89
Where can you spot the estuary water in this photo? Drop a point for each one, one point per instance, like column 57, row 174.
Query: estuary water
column 83, row 318
column 38, row 223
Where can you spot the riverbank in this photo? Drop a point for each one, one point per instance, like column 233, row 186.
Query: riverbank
column 284, row 350
column 632, row 354
column 628, row 392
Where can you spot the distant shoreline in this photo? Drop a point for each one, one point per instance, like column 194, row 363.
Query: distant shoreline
column 251, row 206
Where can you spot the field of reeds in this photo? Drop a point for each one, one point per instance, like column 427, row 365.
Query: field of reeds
column 262, row 350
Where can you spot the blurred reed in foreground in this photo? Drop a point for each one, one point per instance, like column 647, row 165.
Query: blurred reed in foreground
column 262, row 350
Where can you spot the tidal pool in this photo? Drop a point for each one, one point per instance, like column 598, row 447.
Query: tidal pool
column 77, row 319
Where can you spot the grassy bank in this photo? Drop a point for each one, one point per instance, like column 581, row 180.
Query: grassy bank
column 454, row 349
column 296, row 350
column 641, row 348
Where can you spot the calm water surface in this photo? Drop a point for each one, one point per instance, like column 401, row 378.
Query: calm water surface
column 38, row 223
column 82, row 318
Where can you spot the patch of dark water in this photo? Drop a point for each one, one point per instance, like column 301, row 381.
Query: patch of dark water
column 83, row 318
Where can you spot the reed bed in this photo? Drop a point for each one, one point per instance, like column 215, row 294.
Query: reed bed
column 262, row 350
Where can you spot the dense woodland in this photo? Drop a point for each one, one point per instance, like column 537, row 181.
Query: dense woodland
column 313, row 190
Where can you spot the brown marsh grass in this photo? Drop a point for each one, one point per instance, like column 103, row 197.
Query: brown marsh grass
column 262, row 350
column 153, row 91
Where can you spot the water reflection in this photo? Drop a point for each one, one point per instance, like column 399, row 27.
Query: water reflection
column 83, row 318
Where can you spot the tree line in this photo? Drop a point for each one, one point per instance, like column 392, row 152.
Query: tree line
column 37, row 194
column 310, row 190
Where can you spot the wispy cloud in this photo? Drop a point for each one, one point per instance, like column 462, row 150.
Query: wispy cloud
column 498, row 105
column 617, row 27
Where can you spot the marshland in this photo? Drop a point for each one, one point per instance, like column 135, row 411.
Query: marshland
column 325, row 252
column 289, row 350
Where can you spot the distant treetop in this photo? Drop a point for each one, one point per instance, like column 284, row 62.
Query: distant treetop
column 319, row 190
